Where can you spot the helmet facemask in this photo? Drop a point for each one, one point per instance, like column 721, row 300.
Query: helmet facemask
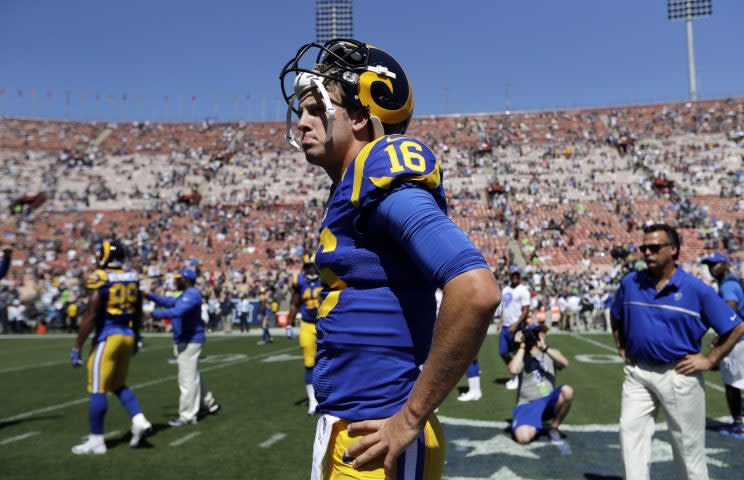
column 368, row 79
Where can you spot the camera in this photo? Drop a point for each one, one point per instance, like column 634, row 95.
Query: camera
column 531, row 337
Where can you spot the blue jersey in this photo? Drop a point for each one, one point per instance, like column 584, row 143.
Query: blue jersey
column 119, row 291
column 662, row 327
column 309, row 292
column 377, row 315
column 730, row 291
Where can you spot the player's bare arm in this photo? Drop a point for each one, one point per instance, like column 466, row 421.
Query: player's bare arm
column 294, row 306
column 89, row 320
column 468, row 303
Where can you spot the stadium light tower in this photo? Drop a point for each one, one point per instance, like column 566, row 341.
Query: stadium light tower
column 687, row 10
column 333, row 19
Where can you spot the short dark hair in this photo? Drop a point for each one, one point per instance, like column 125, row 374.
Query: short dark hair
column 672, row 235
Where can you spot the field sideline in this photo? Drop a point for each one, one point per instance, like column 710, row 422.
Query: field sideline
column 263, row 431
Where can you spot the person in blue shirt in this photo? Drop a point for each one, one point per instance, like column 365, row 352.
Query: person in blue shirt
column 188, row 336
column 385, row 359
column 659, row 317
column 732, row 366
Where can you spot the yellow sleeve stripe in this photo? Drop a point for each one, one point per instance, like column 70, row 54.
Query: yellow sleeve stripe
column 330, row 301
column 430, row 180
column 361, row 159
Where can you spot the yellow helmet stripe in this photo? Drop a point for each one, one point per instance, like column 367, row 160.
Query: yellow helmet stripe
column 106, row 252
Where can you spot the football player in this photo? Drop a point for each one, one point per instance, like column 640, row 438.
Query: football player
column 386, row 244
column 305, row 300
column 114, row 313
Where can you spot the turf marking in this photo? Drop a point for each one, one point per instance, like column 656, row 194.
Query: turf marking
column 30, row 367
column 169, row 378
column 106, row 436
column 184, row 439
column 18, row 437
column 277, row 437
column 467, row 422
column 708, row 383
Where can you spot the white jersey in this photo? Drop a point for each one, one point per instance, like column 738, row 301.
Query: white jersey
column 512, row 301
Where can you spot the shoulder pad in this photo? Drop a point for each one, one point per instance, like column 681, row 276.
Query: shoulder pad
column 96, row 279
column 389, row 161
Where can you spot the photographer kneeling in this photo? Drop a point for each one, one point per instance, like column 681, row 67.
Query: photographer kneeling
column 537, row 398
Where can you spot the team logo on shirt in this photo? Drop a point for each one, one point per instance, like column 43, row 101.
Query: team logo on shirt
column 678, row 296
column 507, row 299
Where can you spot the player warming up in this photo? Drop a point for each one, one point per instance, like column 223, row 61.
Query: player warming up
column 115, row 313
column 305, row 301
column 386, row 245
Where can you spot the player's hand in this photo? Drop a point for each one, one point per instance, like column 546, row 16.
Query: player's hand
column 388, row 437
column 519, row 337
column 512, row 328
column 77, row 362
column 624, row 355
column 541, row 343
column 693, row 363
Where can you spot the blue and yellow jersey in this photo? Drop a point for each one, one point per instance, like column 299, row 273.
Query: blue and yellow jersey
column 119, row 290
column 309, row 292
column 377, row 315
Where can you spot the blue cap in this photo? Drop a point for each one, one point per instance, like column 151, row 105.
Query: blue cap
column 187, row 273
column 514, row 269
column 716, row 258
column 536, row 325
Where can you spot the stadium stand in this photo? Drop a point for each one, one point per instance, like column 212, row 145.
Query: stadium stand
column 565, row 192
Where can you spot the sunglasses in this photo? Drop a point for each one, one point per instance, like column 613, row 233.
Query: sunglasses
column 653, row 248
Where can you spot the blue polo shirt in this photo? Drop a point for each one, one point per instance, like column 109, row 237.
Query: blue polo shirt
column 730, row 291
column 662, row 327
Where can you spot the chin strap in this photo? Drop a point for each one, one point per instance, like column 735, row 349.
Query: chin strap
column 303, row 82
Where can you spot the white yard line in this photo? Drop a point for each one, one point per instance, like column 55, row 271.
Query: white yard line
column 708, row 383
column 21, row 368
column 169, row 378
column 277, row 437
column 467, row 422
column 184, row 439
column 18, row 437
column 30, row 367
column 106, row 436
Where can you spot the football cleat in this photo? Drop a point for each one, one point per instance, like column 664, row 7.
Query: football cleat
column 214, row 408
column 90, row 447
column 469, row 396
column 512, row 384
column 140, row 429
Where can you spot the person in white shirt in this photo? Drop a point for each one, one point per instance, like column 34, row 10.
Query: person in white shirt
column 573, row 305
column 244, row 309
column 515, row 302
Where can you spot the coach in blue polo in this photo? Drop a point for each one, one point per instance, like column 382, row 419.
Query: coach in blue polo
column 188, row 335
column 659, row 317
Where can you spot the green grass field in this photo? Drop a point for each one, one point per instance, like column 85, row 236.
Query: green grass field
column 44, row 413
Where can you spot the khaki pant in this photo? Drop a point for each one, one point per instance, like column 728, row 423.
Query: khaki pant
column 646, row 387
column 194, row 393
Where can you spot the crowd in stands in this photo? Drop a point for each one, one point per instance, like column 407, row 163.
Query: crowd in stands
column 564, row 193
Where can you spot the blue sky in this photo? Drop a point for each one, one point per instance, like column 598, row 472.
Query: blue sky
column 553, row 54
